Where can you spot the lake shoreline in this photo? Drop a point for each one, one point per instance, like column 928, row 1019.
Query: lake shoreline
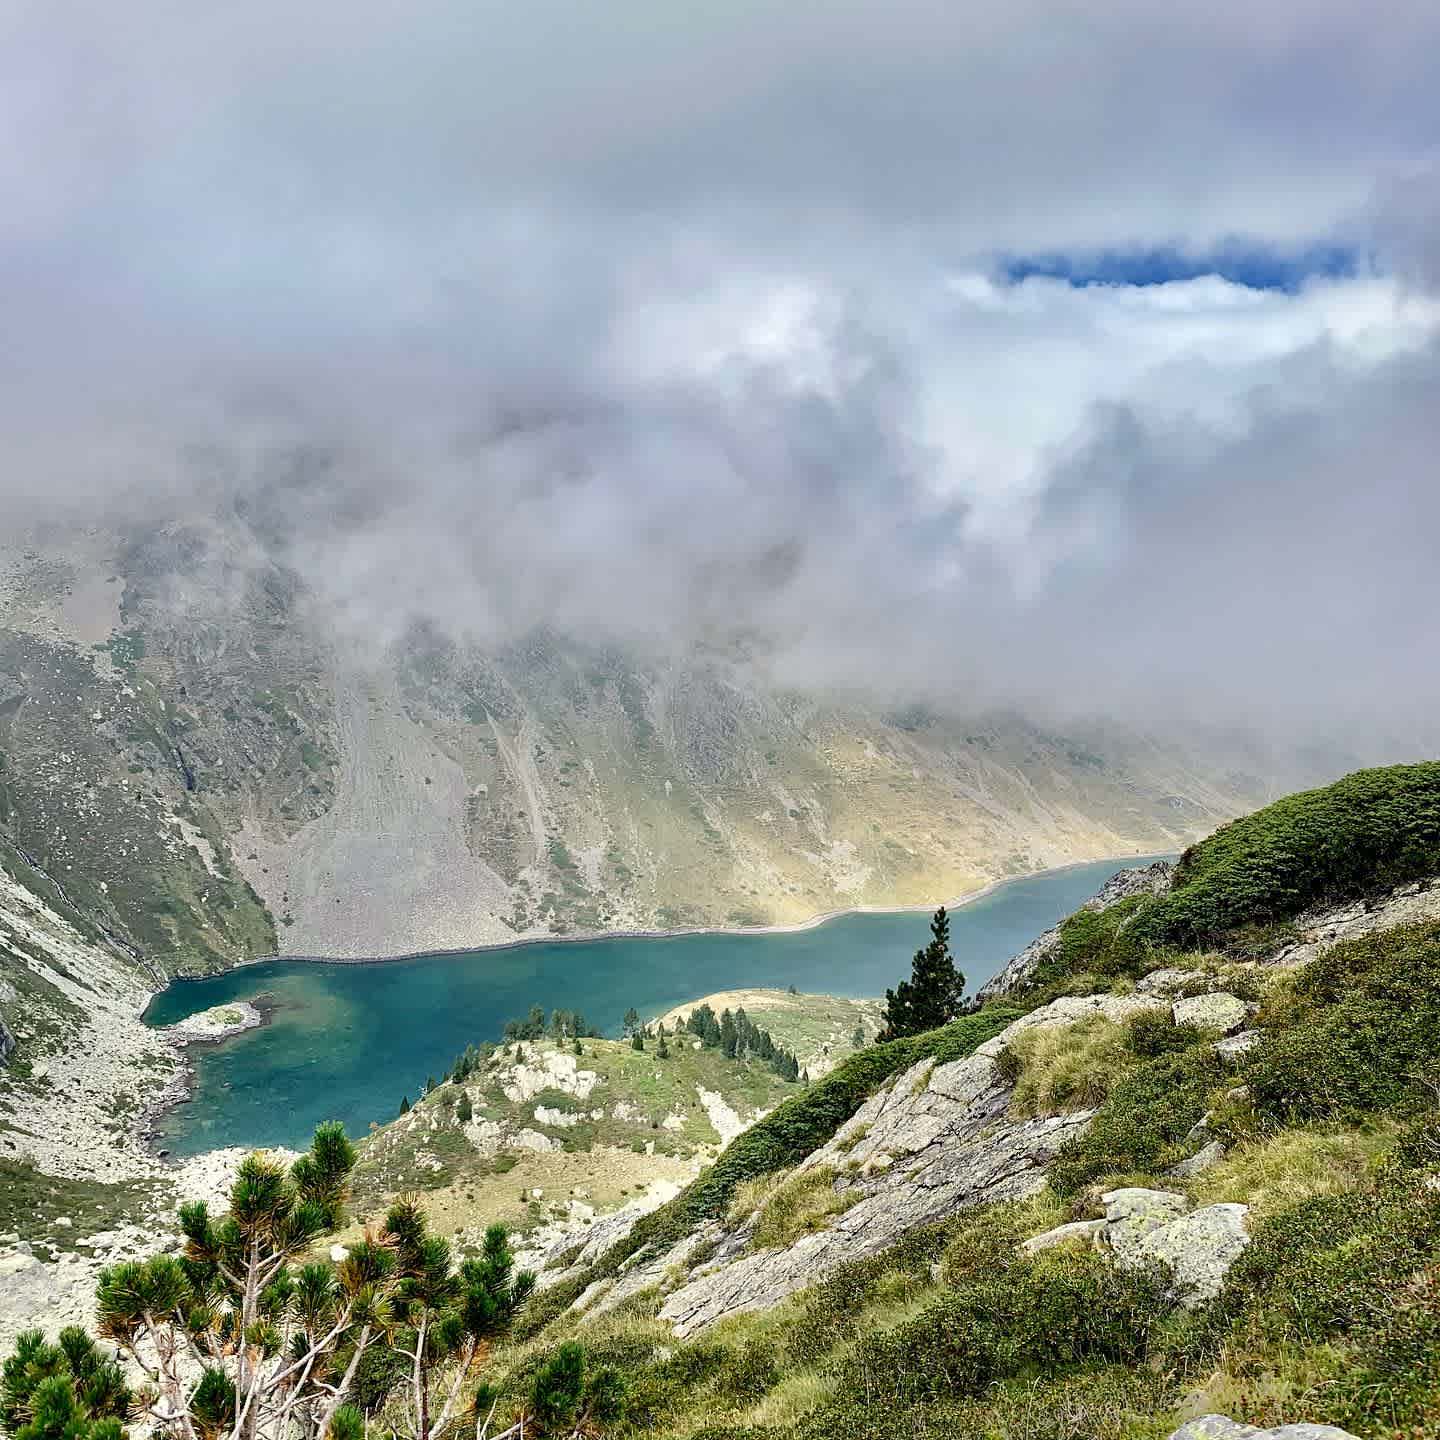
column 840, row 964
column 591, row 937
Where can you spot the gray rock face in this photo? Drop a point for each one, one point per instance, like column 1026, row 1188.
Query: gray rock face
column 1213, row 1427
column 1143, row 880
column 1142, row 1227
column 1328, row 925
column 1167, row 980
column 1203, row 1159
column 1088, row 1233
column 1219, row 1427
column 934, row 1140
column 1217, row 1011
column 1132, row 1215
column 7, row 1041
column 1234, row 1046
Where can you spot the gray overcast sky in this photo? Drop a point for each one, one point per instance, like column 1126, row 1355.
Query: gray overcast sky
column 675, row 319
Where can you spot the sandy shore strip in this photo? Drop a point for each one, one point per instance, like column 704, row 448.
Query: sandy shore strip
column 591, row 937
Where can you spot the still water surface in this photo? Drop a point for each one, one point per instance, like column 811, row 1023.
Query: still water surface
column 346, row 1041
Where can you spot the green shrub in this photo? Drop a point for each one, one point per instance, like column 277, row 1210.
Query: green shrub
column 748, row 1373
column 70, row 1389
column 1143, row 1123
column 833, row 1310
column 1363, row 1033
column 1357, row 1271
column 1370, row 831
column 1154, row 1032
column 570, row 1392
column 1033, row 1317
column 1096, row 943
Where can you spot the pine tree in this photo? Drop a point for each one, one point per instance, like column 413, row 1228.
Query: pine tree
column 637, row 1040
column 464, row 1110
column 931, row 997
column 662, row 1050
column 404, row 1104
column 631, row 1023
column 445, row 1314
column 306, row 1327
column 66, row 1391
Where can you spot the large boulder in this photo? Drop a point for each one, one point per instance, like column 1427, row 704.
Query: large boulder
column 1219, row 1427
column 1199, row 1246
column 1217, row 1011
column 1144, row 1227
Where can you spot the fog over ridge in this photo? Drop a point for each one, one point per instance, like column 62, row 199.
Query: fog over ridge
column 665, row 327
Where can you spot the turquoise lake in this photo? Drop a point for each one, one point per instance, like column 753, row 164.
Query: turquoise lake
column 346, row 1041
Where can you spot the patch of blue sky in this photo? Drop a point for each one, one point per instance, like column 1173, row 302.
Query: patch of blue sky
column 1256, row 267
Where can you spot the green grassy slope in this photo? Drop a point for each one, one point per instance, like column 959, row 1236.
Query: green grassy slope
column 1332, row 1129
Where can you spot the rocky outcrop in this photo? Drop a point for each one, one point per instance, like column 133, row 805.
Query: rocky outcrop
column 1142, row 880
column 1144, row 1227
column 1218, row 1010
column 219, row 1022
column 934, row 1140
column 1218, row 1427
column 1329, row 925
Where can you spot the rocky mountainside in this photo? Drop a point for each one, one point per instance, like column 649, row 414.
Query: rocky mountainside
column 1180, row 1177
column 211, row 766
column 1147, row 1183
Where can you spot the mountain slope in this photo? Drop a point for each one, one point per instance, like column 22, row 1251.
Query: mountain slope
column 1147, row 1185
column 213, row 765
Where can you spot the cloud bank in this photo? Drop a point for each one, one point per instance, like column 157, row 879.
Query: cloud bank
column 677, row 325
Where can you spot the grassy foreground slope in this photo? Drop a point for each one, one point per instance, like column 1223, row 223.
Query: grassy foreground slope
column 1329, row 1130
column 1368, row 832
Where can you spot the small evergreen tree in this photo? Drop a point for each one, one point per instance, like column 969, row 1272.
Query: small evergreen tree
column 464, row 1110
column 931, row 997
column 66, row 1391
column 232, row 1338
column 631, row 1023
column 571, row 1397
column 662, row 1050
column 729, row 1036
column 637, row 1040
column 444, row 1314
column 404, row 1104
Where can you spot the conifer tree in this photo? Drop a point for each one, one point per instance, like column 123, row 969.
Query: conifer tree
column 404, row 1104
column 66, row 1391
column 631, row 1023
column 464, row 1110
column 445, row 1316
column 637, row 1040
column 662, row 1050
column 234, row 1340
column 931, row 997
column 729, row 1035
